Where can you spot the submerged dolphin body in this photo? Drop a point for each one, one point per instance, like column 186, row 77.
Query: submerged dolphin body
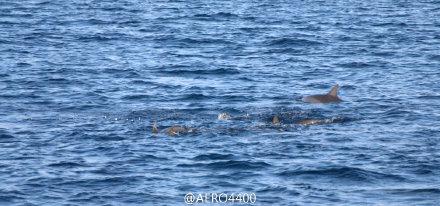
column 330, row 97
column 173, row 130
column 308, row 122
column 179, row 130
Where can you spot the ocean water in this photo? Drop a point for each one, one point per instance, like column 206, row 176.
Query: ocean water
column 82, row 82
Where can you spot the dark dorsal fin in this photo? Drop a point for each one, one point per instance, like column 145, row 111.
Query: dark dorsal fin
column 334, row 91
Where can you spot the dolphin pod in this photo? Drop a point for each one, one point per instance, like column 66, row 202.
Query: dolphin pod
column 330, row 97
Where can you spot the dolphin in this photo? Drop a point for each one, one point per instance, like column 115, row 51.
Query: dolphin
column 224, row 116
column 173, row 130
column 307, row 122
column 330, row 97
column 276, row 120
column 178, row 130
column 312, row 121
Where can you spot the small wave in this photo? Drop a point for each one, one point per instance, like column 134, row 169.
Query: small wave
column 431, row 97
column 58, row 80
column 213, row 156
column 292, row 42
column 103, row 37
column 224, row 183
column 115, row 180
column 194, row 96
column 123, row 73
column 66, row 164
column 433, row 191
column 273, row 188
column 230, row 164
column 204, row 41
column 390, row 24
column 152, row 157
column 112, row 9
column 354, row 65
column 144, row 159
column 23, row 64
column 109, row 137
column 252, row 29
column 344, row 173
column 99, row 22
column 4, row 22
column 140, row 82
column 216, row 16
column 434, row 57
column 398, row 113
column 221, row 71
column 8, row 197
column 92, row 38
column 6, row 136
column 348, row 38
column 136, row 97
column 288, row 50
column 383, row 53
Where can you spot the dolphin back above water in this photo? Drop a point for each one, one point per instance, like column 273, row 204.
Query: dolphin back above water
column 330, row 97
column 175, row 130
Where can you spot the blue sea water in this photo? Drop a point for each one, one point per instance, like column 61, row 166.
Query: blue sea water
column 82, row 81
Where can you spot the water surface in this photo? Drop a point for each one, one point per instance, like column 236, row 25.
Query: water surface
column 82, row 81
